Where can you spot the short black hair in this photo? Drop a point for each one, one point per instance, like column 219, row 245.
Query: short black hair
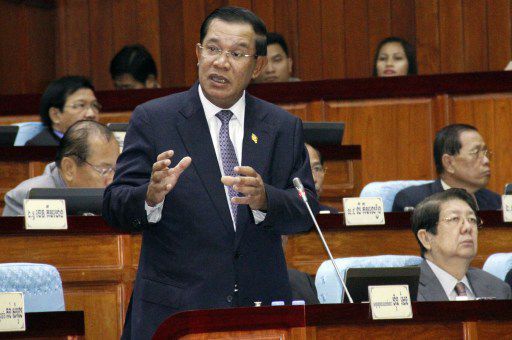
column 238, row 15
column 75, row 141
column 426, row 213
column 447, row 141
column 58, row 92
column 135, row 60
column 320, row 158
column 409, row 50
column 276, row 38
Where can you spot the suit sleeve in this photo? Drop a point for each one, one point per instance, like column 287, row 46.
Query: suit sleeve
column 398, row 202
column 123, row 201
column 286, row 213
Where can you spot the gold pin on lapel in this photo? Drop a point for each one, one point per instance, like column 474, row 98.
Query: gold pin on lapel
column 254, row 138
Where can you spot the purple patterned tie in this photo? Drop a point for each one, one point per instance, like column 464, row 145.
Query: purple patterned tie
column 227, row 153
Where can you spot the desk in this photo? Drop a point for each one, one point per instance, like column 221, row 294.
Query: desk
column 51, row 325
column 431, row 320
column 98, row 264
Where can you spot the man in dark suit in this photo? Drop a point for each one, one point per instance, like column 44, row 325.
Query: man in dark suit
column 212, row 224
column 462, row 161
column 64, row 102
column 446, row 228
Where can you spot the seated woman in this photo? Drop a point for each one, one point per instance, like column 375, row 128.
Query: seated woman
column 64, row 102
column 394, row 57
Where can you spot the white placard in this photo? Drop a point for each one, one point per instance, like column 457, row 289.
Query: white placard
column 45, row 214
column 390, row 302
column 363, row 211
column 12, row 312
column 506, row 205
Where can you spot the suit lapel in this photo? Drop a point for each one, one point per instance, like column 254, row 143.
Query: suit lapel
column 430, row 289
column 480, row 287
column 197, row 140
column 257, row 149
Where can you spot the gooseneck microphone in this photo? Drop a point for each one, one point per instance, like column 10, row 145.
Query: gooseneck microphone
column 302, row 194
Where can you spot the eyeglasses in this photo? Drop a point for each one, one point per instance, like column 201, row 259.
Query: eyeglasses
column 318, row 169
column 211, row 51
column 456, row 221
column 81, row 107
column 103, row 171
column 476, row 154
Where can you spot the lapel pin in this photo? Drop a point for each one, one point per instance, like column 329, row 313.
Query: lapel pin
column 254, row 138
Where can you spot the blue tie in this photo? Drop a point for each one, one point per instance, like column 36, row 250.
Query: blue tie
column 227, row 153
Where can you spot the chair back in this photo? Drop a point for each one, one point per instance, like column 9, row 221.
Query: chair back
column 499, row 265
column 388, row 190
column 40, row 284
column 329, row 287
column 27, row 131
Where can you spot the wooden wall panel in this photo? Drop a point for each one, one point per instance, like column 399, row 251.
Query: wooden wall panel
column 451, row 35
column 356, row 42
column 310, row 40
column 388, row 156
column 427, row 37
column 333, row 39
column 172, row 44
column 475, row 35
column 102, row 45
column 287, row 24
column 499, row 33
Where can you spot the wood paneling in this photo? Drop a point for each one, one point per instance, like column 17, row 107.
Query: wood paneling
column 327, row 39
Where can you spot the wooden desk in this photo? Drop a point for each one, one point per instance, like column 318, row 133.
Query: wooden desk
column 51, row 325
column 342, row 180
column 98, row 264
column 431, row 320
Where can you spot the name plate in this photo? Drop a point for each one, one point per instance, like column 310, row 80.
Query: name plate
column 506, row 204
column 390, row 302
column 363, row 211
column 45, row 214
column 12, row 312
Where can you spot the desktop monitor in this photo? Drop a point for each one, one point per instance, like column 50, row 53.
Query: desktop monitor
column 358, row 280
column 8, row 134
column 324, row 133
column 79, row 201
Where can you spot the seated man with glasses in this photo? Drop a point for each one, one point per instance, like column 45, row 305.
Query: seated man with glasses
column 64, row 102
column 318, row 171
column 86, row 158
column 462, row 161
column 446, row 228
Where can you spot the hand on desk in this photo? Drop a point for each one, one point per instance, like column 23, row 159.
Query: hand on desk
column 250, row 184
column 163, row 178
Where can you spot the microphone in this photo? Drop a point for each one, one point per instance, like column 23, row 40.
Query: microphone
column 302, row 194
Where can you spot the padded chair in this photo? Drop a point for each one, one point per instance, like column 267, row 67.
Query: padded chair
column 388, row 190
column 40, row 284
column 27, row 131
column 499, row 265
column 328, row 286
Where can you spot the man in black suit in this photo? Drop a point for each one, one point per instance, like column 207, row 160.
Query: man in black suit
column 462, row 161
column 212, row 224
column 64, row 102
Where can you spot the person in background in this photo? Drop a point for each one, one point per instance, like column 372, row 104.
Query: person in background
column 394, row 57
column 64, row 102
column 279, row 65
column 86, row 158
column 318, row 170
column 446, row 228
column 462, row 161
column 133, row 67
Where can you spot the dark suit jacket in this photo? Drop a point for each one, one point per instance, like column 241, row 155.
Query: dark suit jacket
column 303, row 287
column 482, row 283
column 44, row 138
column 411, row 196
column 192, row 258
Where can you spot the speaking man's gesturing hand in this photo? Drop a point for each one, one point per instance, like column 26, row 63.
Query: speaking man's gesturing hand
column 250, row 184
column 163, row 178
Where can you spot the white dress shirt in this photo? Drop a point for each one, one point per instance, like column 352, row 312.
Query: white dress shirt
column 236, row 134
column 448, row 283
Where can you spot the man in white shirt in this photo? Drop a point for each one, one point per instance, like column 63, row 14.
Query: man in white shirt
column 446, row 227
column 212, row 222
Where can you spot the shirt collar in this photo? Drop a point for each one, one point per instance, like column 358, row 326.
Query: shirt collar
column 210, row 109
column 444, row 185
column 448, row 281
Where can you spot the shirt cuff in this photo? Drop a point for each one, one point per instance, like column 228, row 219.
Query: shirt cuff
column 259, row 216
column 154, row 213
